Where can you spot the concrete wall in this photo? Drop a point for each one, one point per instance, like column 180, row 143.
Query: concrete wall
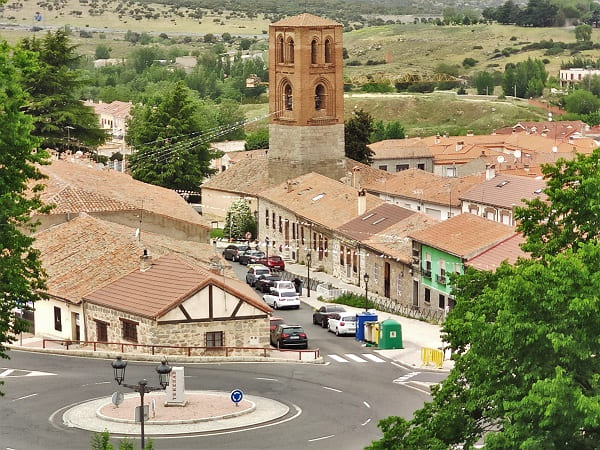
column 44, row 319
column 216, row 203
column 413, row 163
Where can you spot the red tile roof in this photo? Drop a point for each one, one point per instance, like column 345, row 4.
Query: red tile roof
column 167, row 283
column 508, row 250
column 374, row 221
column 400, row 148
column 464, row 235
column 305, row 20
column 506, row 191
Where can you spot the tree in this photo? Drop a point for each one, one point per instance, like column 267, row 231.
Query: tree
column 257, row 140
column 22, row 278
column 583, row 32
column 582, row 102
column 357, row 134
column 166, row 133
column 525, row 79
column 61, row 119
column 484, row 82
column 239, row 220
column 102, row 51
column 383, row 131
column 231, row 121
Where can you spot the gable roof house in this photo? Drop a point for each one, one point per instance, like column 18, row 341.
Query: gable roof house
column 74, row 187
column 168, row 301
column 86, row 253
column 496, row 198
column 298, row 217
column 445, row 248
column 375, row 243
column 396, row 155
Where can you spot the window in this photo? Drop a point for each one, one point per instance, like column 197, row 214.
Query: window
column 313, row 52
column 290, row 55
column 267, row 217
column 401, row 167
column 302, row 235
column 382, row 167
column 427, row 295
column 320, row 97
column 280, row 49
column 314, row 239
column 273, row 217
column 101, row 331
column 342, row 252
column 129, row 330
column 280, row 224
column 399, row 284
column 326, row 247
column 214, row 339
column 294, row 231
column 328, row 51
column 451, row 171
column 421, row 166
column 442, row 302
column 354, row 262
column 287, row 92
column 57, row 319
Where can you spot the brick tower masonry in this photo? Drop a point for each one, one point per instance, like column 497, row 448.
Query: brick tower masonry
column 306, row 98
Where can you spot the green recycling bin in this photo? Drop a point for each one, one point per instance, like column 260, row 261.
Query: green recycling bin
column 390, row 335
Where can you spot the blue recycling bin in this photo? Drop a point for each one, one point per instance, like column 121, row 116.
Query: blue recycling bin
column 361, row 318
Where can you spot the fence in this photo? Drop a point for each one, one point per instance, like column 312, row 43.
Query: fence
column 188, row 350
column 414, row 312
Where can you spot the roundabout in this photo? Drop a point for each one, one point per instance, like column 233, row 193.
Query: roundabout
column 204, row 412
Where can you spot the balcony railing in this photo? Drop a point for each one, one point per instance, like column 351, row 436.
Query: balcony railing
column 441, row 279
column 427, row 273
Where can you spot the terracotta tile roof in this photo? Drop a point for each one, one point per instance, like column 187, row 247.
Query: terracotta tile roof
column 508, row 250
column 245, row 155
column 319, row 199
column 250, row 178
column 374, row 221
column 418, row 184
column 116, row 108
column 76, row 187
column 561, row 129
column 86, row 253
column 167, row 283
column 505, row 191
column 305, row 20
column 464, row 235
column 400, row 148
column 393, row 241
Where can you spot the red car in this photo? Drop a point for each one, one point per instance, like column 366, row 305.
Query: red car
column 272, row 262
column 274, row 321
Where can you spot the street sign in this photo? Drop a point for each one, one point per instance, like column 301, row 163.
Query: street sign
column 138, row 417
column 237, row 396
column 117, row 398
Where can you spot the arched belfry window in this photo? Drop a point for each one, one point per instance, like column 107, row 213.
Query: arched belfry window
column 314, row 48
column 320, row 97
column 287, row 97
column 280, row 52
column 290, row 53
column 328, row 51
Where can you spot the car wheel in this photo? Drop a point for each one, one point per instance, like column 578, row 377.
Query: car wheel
column 337, row 331
column 324, row 323
column 298, row 307
column 314, row 320
column 329, row 330
column 279, row 344
column 275, row 305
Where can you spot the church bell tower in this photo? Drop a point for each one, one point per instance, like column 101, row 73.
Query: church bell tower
column 306, row 98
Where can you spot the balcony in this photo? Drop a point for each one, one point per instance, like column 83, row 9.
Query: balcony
column 427, row 273
column 441, row 279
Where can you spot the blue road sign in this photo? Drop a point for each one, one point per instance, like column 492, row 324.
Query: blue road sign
column 236, row 396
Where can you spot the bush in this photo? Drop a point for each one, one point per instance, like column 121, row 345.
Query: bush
column 469, row 62
column 216, row 233
column 356, row 301
column 461, row 91
column 377, row 87
column 477, row 47
column 354, row 62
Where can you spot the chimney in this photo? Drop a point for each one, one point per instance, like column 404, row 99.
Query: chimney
column 355, row 177
column 526, row 167
column 571, row 140
column 437, row 139
column 490, row 172
column 288, row 184
column 470, row 133
column 145, row 261
column 362, row 202
column 459, row 145
column 446, row 134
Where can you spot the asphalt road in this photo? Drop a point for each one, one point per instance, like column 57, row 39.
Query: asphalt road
column 336, row 405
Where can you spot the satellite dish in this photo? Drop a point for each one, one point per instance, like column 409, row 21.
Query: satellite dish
column 517, row 153
column 117, row 398
column 500, row 159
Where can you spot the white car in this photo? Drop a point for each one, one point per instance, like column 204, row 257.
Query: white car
column 282, row 299
column 342, row 323
column 282, row 285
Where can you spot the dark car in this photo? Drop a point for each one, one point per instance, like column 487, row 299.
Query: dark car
column 321, row 315
column 266, row 282
column 289, row 336
column 256, row 271
column 250, row 256
column 272, row 262
column 233, row 251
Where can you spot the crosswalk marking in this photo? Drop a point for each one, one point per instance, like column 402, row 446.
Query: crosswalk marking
column 405, row 378
column 17, row 373
column 338, row 358
column 374, row 358
column 6, row 373
column 354, row 357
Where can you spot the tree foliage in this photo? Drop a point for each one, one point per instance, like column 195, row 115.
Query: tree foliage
column 21, row 274
column 170, row 134
column 239, row 220
column 525, row 79
column 581, row 102
column 583, row 32
column 484, row 83
column 357, row 135
column 258, row 139
column 389, row 130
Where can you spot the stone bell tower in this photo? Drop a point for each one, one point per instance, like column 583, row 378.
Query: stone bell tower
column 306, row 98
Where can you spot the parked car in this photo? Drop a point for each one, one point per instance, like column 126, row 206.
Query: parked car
column 342, row 323
column 282, row 299
column 264, row 283
column 274, row 321
column 289, row 336
column 255, row 271
column 250, row 256
column 283, row 285
column 321, row 315
column 272, row 262
column 233, row 251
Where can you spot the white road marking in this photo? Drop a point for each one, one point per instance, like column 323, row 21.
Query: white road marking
column 368, row 420
column 331, row 389
column 372, row 357
column 338, row 358
column 266, row 379
column 6, row 373
column 321, row 438
column 35, row 373
column 366, row 404
column 25, row 396
column 354, row 357
column 405, row 378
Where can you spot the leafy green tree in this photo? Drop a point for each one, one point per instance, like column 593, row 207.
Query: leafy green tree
column 231, row 121
column 22, row 277
column 257, row 140
column 53, row 85
column 357, row 134
column 239, row 220
column 102, row 51
column 538, row 13
column 518, row 78
column 582, row 102
column 170, row 149
column 383, row 131
column 484, row 82
column 583, row 32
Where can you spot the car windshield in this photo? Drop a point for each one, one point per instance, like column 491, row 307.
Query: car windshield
column 335, row 308
column 261, row 271
column 288, row 294
column 293, row 330
column 286, row 285
column 349, row 318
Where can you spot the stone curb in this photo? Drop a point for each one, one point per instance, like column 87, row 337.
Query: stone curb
column 420, row 368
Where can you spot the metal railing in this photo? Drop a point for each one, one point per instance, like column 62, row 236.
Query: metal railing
column 186, row 350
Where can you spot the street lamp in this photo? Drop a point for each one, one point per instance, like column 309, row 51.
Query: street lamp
column 366, row 278
column 308, row 258
column 69, row 128
column 163, row 370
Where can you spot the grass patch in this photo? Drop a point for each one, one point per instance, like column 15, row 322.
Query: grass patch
column 356, row 301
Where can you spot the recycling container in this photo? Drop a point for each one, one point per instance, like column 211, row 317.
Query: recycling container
column 361, row 318
column 390, row 334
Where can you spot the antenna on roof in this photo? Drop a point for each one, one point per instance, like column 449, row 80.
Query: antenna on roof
column 138, row 232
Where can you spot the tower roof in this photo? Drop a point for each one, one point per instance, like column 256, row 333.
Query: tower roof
column 305, row 20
